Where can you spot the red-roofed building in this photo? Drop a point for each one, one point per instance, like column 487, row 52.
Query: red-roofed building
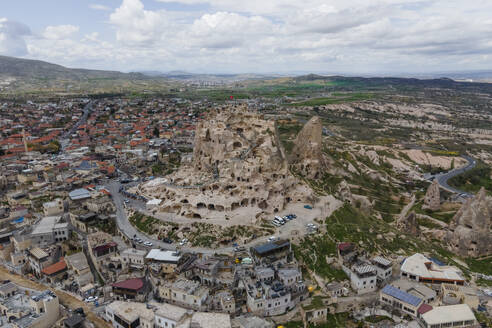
column 424, row 308
column 133, row 289
column 56, row 271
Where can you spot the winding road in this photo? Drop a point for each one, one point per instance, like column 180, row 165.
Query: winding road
column 443, row 178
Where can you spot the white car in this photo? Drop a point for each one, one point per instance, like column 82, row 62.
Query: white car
column 183, row 242
column 148, row 243
column 272, row 238
column 91, row 299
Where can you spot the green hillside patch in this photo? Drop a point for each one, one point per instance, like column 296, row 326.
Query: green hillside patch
column 473, row 179
column 312, row 251
column 337, row 98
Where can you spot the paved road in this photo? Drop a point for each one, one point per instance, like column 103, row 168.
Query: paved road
column 443, row 178
column 64, row 139
column 130, row 231
column 122, row 221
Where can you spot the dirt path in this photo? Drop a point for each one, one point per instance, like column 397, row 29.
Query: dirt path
column 65, row 299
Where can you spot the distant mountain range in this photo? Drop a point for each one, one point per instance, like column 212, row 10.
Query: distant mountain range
column 187, row 76
column 36, row 69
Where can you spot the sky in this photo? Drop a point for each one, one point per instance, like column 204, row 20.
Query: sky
column 252, row 36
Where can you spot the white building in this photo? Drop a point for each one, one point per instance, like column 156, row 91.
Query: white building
column 133, row 314
column 168, row 315
column 383, row 267
column 168, row 260
column 186, row 293
column 53, row 208
column 419, row 268
column 459, row 315
column 133, row 257
column 363, row 278
column 50, row 230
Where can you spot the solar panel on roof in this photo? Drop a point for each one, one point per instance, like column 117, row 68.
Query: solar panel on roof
column 401, row 295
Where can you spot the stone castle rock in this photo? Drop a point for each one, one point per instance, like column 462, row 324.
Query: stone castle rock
column 237, row 164
column 307, row 156
column 432, row 198
column 470, row 230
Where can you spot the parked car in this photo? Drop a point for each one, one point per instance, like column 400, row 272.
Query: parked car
column 272, row 238
column 91, row 299
column 148, row 243
column 167, row 240
column 309, row 207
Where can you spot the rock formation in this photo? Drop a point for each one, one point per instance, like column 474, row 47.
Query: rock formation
column 237, row 163
column 470, row 230
column 409, row 224
column 344, row 193
column 307, row 155
column 432, row 198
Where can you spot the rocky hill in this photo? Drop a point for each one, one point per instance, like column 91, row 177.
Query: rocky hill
column 36, row 69
column 238, row 163
column 307, row 154
column 470, row 231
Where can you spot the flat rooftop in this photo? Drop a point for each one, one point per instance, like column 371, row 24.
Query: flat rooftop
column 421, row 266
column 163, row 256
column 449, row 313
column 46, row 225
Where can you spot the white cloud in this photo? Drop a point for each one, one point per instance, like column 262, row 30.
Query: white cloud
column 60, row 31
column 275, row 35
column 97, row 6
column 136, row 25
column 12, row 35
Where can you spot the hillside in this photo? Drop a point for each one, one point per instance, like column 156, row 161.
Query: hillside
column 36, row 69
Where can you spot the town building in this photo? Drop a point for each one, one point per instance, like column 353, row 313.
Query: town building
column 133, row 257
column 101, row 248
column 49, row 230
column 398, row 299
column 79, row 269
column 278, row 251
column 167, row 261
column 53, row 208
column 185, row 293
column 30, row 309
column 131, row 289
column 384, row 268
column 56, row 271
column 363, row 278
column 459, row 315
column 419, row 268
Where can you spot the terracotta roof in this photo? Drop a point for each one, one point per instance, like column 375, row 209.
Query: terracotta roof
column 133, row 284
column 54, row 268
column 424, row 308
column 344, row 246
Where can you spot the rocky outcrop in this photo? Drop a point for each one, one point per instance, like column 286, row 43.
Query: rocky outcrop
column 409, row 224
column 470, row 230
column 432, row 200
column 237, row 165
column 307, row 155
column 344, row 193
